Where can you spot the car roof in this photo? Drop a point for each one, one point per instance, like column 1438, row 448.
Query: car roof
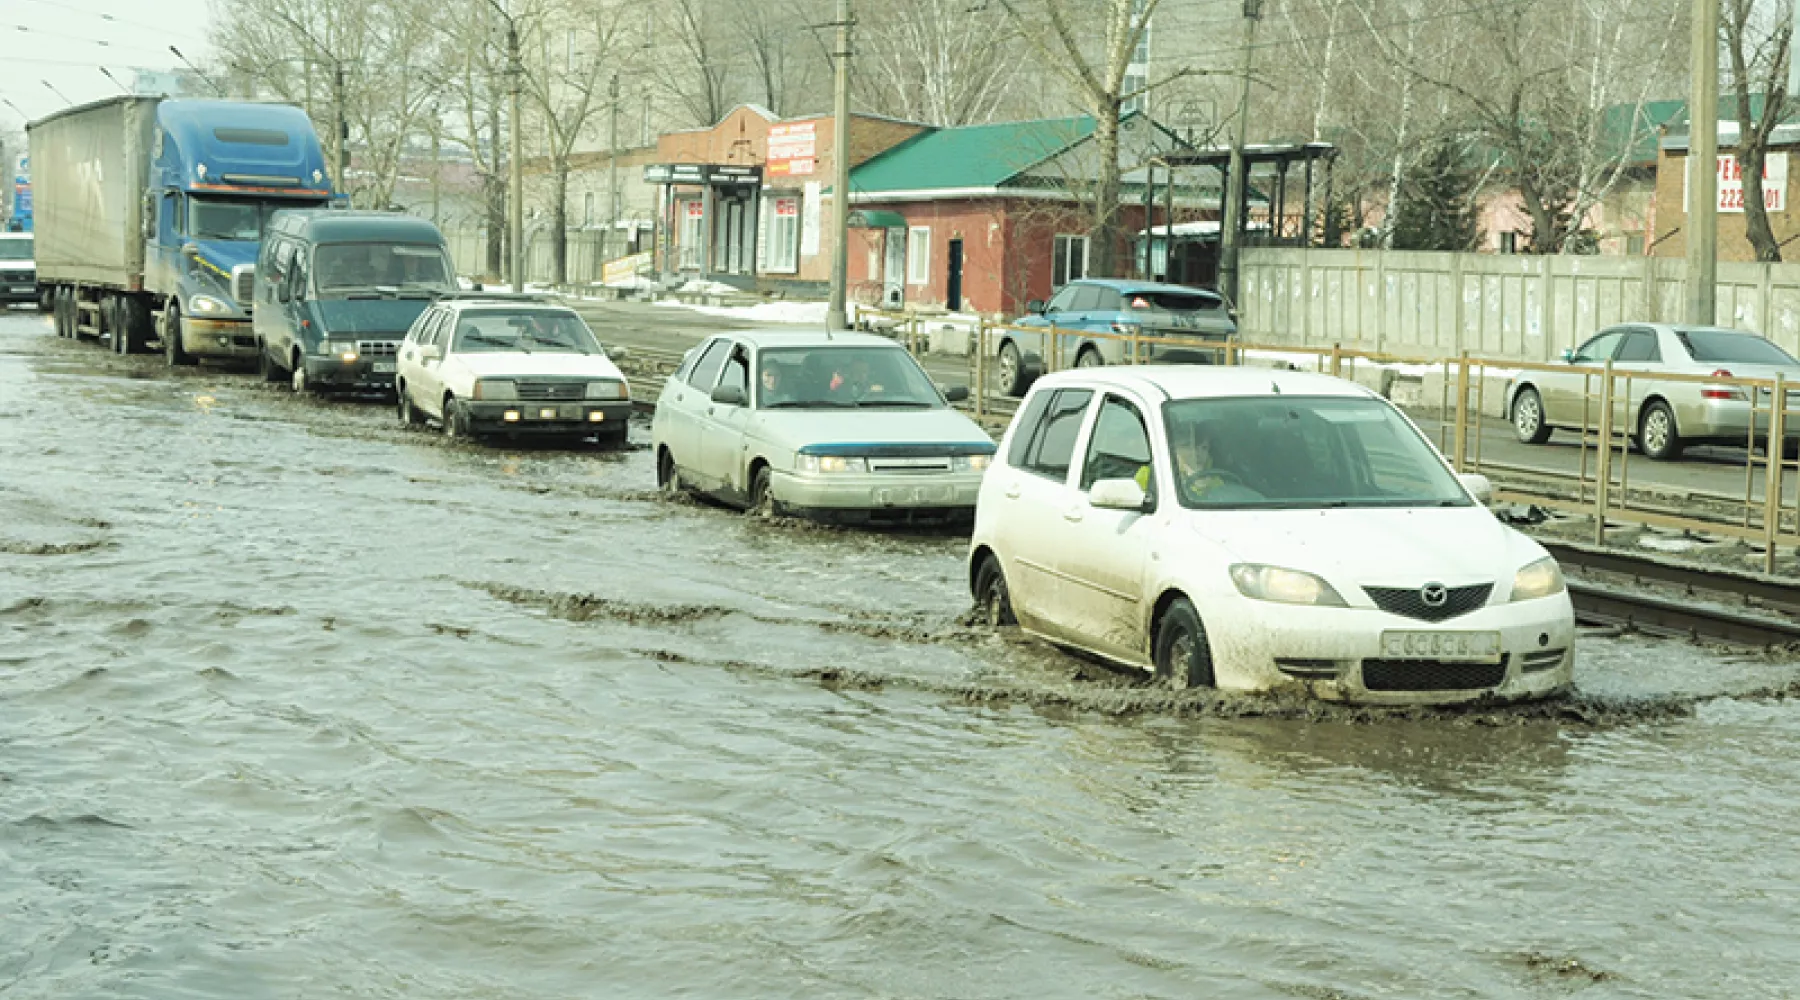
column 503, row 304
column 325, row 225
column 807, row 338
column 1204, row 381
column 1128, row 285
column 16, row 236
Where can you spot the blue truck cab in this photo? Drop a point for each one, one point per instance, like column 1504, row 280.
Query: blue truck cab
column 218, row 171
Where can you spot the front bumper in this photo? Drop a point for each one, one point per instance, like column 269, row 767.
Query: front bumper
column 874, row 495
column 18, row 291
column 558, row 418
column 368, row 373
column 1335, row 654
column 218, row 338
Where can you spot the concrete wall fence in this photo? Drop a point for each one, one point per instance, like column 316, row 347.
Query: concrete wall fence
column 1525, row 308
column 588, row 253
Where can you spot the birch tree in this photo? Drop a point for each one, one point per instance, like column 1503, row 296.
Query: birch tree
column 1758, row 44
column 929, row 61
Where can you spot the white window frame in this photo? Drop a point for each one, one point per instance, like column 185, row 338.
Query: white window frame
column 1059, row 280
column 918, row 255
column 692, row 234
column 783, row 254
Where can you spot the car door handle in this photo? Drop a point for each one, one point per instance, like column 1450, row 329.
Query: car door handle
column 1013, row 492
column 1074, row 514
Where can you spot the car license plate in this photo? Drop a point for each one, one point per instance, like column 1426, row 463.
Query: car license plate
column 1464, row 647
column 383, row 367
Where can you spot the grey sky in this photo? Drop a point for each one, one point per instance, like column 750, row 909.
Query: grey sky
column 66, row 41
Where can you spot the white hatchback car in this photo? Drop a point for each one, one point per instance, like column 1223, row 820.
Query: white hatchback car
column 1261, row 530
column 509, row 365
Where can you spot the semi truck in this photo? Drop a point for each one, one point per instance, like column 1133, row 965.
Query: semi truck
column 145, row 205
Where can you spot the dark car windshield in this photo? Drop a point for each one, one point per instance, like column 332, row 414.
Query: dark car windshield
column 822, row 377
column 339, row 266
column 1303, row 452
column 15, row 249
column 1732, row 347
column 234, row 218
column 531, row 331
column 1164, row 301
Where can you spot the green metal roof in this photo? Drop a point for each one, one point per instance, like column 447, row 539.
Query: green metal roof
column 969, row 156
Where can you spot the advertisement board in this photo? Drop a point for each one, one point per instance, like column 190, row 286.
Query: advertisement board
column 793, row 150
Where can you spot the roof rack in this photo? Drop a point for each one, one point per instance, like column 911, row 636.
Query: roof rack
column 498, row 296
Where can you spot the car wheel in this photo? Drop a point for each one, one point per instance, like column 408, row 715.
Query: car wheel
column 266, row 366
column 171, row 336
column 993, row 602
column 1657, row 434
column 409, row 414
column 668, row 478
column 1528, row 417
column 455, row 422
column 297, row 378
column 1183, row 658
column 1009, row 371
column 1089, row 357
column 762, row 494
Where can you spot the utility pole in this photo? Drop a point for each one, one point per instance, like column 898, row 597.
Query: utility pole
column 836, row 316
column 343, row 129
column 515, row 71
column 1231, row 229
column 437, row 164
column 1703, row 167
column 612, row 169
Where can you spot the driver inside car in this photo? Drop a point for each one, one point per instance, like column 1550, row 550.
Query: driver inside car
column 1195, row 468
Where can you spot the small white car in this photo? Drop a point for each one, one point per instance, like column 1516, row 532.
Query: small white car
column 509, row 365
column 845, row 426
column 1261, row 530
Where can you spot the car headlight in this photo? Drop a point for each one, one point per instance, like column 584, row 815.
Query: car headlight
column 831, row 463
column 206, row 305
column 971, row 463
column 496, row 389
column 1539, row 579
column 1284, row 586
column 607, row 390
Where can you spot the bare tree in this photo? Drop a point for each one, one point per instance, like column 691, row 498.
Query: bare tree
column 1758, row 43
column 696, row 70
column 929, row 61
column 568, row 89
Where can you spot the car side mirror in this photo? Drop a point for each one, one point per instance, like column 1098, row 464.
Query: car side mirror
column 728, row 395
column 431, row 352
column 1478, row 486
column 1568, row 355
column 956, row 393
column 1117, row 494
column 1035, row 307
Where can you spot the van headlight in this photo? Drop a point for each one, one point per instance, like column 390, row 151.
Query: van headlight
column 495, row 389
column 1284, row 586
column 830, row 464
column 606, row 390
column 971, row 463
column 206, row 305
column 1539, row 579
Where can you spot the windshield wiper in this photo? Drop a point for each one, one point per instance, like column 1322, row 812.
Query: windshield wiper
column 893, row 402
column 806, row 404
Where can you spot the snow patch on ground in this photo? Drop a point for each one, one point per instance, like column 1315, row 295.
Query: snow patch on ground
column 796, row 313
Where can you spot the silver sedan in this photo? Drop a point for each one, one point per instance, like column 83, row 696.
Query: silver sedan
column 1663, row 417
column 811, row 423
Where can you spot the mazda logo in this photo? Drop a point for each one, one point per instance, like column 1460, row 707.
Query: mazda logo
column 1434, row 595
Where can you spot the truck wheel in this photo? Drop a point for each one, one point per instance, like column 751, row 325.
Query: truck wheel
column 134, row 316
column 59, row 312
column 112, row 325
column 46, row 299
column 170, row 334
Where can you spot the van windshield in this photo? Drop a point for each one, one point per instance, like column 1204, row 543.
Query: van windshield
column 234, row 218
column 15, row 249
column 343, row 266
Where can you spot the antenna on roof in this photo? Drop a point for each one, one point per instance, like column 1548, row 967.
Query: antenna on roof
column 1275, row 387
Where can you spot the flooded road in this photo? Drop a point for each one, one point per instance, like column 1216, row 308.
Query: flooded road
column 297, row 703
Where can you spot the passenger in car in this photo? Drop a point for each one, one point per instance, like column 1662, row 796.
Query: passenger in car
column 774, row 390
column 1194, row 464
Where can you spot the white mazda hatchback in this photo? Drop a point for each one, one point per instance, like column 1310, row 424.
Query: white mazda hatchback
column 1261, row 530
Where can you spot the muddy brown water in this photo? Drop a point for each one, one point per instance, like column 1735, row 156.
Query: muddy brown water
column 297, row 703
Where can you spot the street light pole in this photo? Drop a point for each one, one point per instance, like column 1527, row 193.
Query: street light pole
column 612, row 170
column 837, row 316
column 1232, row 225
column 1703, row 167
